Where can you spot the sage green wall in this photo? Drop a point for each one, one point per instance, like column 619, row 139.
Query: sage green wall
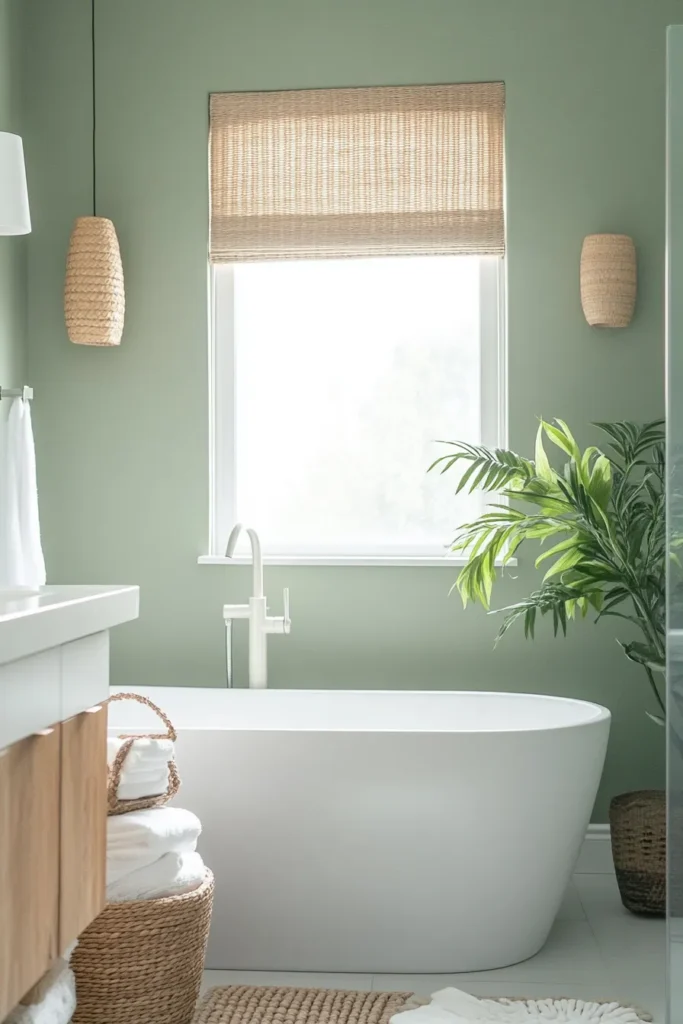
column 12, row 250
column 122, row 435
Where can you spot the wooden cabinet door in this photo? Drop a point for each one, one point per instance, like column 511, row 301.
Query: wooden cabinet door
column 84, row 822
column 29, row 863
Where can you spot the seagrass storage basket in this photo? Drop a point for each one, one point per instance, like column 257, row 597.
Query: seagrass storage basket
column 141, row 962
column 114, row 804
column 638, row 827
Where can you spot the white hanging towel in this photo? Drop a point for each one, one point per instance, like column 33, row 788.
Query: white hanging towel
column 21, row 553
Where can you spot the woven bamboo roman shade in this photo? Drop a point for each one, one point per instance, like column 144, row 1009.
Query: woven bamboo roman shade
column 357, row 172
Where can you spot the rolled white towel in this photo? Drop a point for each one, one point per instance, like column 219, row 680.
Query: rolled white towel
column 170, row 875
column 55, row 999
column 148, row 775
column 145, row 769
column 138, row 838
column 134, row 788
column 144, row 755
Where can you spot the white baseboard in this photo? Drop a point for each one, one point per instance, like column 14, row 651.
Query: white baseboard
column 596, row 853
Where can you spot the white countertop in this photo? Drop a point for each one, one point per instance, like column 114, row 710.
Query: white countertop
column 32, row 621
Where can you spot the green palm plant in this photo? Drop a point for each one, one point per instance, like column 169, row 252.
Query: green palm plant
column 605, row 512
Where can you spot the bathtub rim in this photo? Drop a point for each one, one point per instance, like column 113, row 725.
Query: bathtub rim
column 601, row 715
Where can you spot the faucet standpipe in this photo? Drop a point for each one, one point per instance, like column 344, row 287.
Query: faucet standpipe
column 260, row 623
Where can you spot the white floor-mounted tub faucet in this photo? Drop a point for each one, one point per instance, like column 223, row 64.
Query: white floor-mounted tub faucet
column 260, row 622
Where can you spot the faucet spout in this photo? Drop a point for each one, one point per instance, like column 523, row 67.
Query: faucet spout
column 256, row 556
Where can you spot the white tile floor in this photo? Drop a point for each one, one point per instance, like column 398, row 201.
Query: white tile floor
column 597, row 950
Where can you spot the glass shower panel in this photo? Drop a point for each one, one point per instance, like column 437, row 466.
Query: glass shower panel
column 674, row 303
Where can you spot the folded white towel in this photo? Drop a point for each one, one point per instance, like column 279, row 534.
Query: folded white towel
column 145, row 769
column 453, row 1006
column 429, row 1014
column 151, row 775
column 151, row 828
column 56, row 1001
column 138, row 838
column 145, row 754
column 171, row 875
column 134, row 788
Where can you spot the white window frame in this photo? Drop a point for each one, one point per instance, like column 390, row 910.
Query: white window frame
column 222, row 418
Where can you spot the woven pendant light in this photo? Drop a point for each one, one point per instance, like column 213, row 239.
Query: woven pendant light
column 608, row 280
column 94, row 297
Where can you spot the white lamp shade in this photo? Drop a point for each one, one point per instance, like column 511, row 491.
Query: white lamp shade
column 15, row 218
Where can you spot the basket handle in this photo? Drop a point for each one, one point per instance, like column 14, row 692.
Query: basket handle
column 170, row 735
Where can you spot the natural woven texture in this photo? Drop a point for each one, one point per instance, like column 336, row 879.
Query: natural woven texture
column 357, row 172
column 116, row 806
column 244, row 1004
column 638, row 830
column 142, row 962
column 608, row 280
column 94, row 298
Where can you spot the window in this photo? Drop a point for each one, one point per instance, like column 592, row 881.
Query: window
column 332, row 377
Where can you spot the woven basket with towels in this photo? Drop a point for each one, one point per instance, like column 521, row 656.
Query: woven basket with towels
column 117, row 767
column 141, row 959
column 142, row 962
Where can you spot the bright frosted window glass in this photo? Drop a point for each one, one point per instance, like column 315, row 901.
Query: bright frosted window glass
column 345, row 373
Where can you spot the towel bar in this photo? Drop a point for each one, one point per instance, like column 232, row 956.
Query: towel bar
column 26, row 393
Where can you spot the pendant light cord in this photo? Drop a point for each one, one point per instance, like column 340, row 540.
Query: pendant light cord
column 94, row 113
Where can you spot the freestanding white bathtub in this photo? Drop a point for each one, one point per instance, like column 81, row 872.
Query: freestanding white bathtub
column 383, row 831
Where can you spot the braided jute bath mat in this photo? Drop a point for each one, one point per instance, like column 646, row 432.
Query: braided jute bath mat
column 246, row 1004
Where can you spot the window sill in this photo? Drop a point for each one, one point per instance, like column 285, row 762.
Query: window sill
column 406, row 561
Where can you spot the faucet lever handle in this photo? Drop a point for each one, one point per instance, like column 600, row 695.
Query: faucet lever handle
column 287, row 622
column 279, row 623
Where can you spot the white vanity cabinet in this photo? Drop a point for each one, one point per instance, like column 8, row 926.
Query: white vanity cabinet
column 53, row 773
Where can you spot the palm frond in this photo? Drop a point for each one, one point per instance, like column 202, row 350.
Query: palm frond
column 630, row 440
column 550, row 599
column 488, row 470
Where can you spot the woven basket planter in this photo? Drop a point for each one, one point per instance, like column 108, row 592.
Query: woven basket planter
column 141, row 962
column 638, row 826
column 94, row 298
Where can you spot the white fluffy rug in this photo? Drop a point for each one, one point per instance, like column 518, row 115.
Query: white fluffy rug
column 452, row 1006
column 561, row 1010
